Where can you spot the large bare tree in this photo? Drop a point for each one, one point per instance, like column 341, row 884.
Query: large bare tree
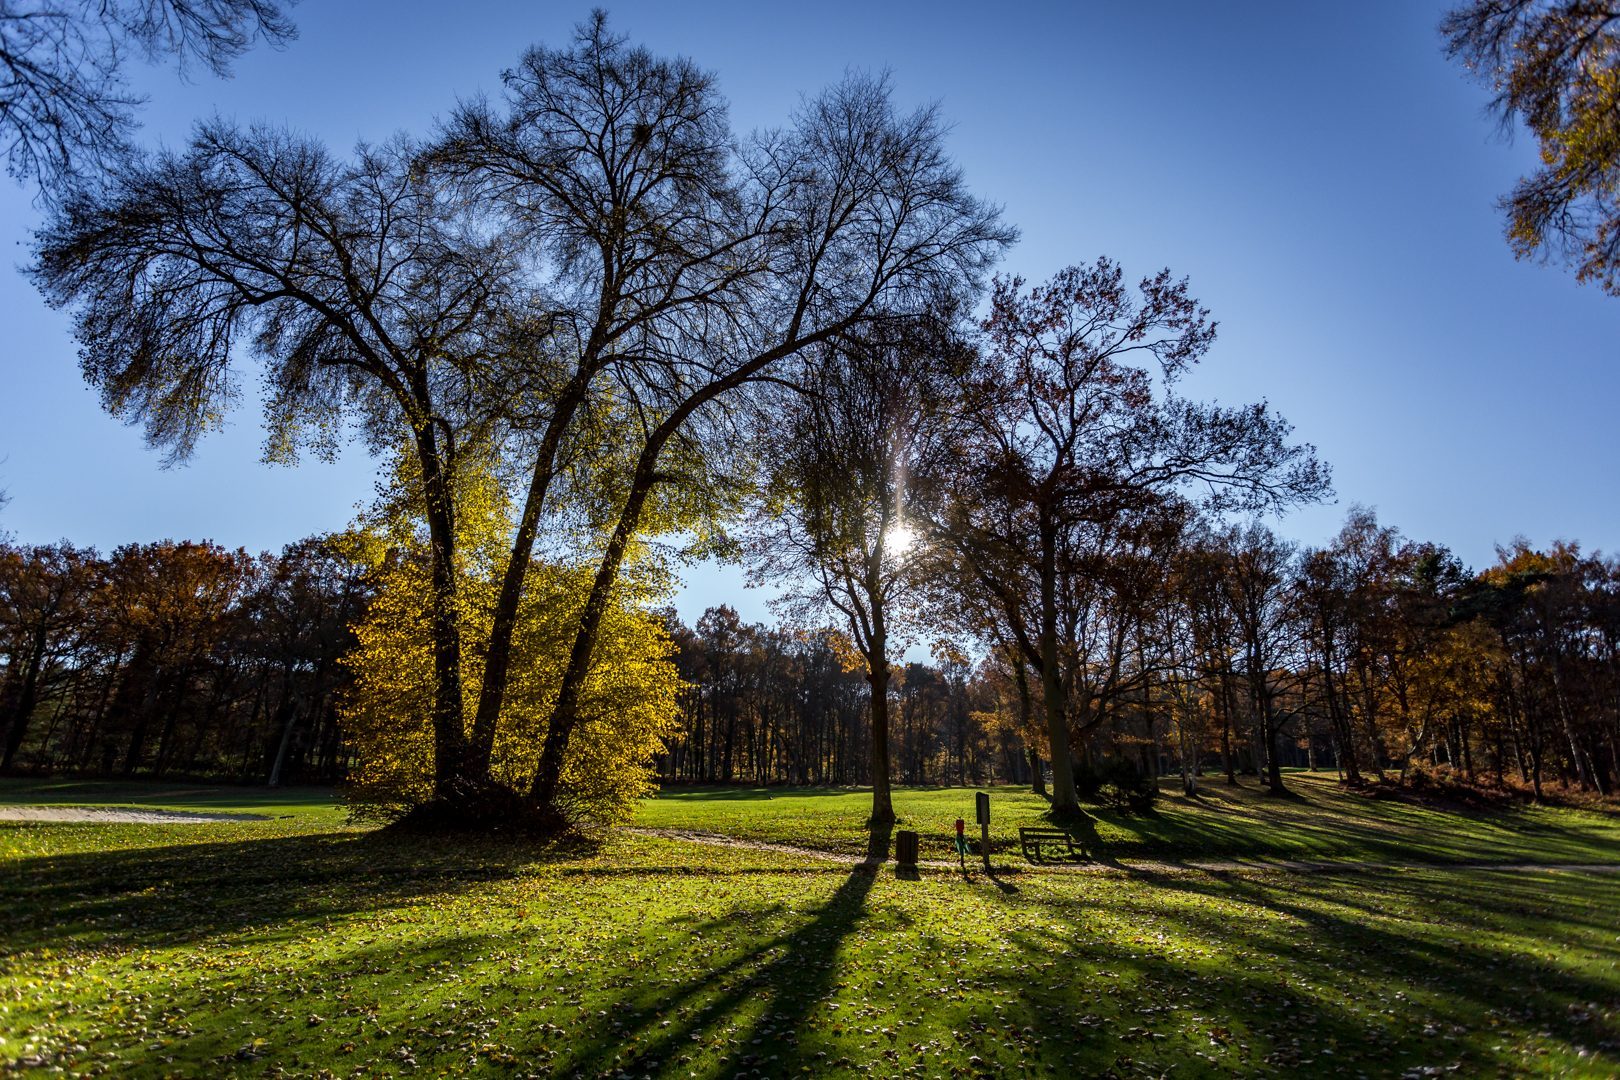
column 352, row 284
column 1069, row 423
column 615, row 170
column 866, row 217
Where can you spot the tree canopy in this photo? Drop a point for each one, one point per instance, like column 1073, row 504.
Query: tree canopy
column 1554, row 66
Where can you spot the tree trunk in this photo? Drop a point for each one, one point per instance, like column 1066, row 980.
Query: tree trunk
column 1065, row 800
column 498, row 655
column 878, row 678
column 450, row 774
column 565, row 711
column 1274, row 780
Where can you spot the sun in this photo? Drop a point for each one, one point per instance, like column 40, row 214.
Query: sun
column 899, row 539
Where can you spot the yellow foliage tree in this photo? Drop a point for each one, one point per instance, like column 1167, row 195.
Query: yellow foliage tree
column 629, row 703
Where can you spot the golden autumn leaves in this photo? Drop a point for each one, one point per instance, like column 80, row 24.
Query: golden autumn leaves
column 629, row 698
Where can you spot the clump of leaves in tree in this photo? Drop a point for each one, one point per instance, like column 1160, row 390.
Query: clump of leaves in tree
column 627, row 707
column 1555, row 66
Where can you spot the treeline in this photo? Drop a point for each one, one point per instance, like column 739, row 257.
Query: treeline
column 1190, row 649
column 176, row 659
column 1197, row 650
column 770, row 705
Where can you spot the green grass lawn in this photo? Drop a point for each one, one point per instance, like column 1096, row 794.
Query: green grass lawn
column 316, row 803
column 1323, row 822
column 304, row 946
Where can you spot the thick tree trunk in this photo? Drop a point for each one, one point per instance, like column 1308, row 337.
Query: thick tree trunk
column 565, row 712
column 450, row 773
column 498, row 655
column 1065, row 800
column 878, row 678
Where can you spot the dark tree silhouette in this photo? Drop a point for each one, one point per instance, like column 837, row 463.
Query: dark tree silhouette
column 352, row 285
column 612, row 166
column 867, row 217
column 1068, row 424
column 65, row 104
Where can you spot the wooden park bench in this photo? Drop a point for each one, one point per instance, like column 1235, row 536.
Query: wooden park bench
column 1030, row 840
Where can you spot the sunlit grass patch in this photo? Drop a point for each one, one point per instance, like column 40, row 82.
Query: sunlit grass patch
column 1325, row 822
column 293, row 946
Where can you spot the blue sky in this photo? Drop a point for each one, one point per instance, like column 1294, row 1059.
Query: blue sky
column 1322, row 174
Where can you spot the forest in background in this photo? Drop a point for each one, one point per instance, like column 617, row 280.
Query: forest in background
column 1216, row 654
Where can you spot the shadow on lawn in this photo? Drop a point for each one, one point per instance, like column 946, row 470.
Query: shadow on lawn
column 1068, row 999
column 1087, row 975
column 1321, row 822
column 772, row 989
column 164, row 896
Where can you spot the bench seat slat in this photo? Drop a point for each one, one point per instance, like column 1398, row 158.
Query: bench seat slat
column 1035, row 836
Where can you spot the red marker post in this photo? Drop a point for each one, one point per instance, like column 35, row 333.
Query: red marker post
column 961, row 843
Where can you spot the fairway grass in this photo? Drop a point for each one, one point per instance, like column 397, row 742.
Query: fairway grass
column 304, row 946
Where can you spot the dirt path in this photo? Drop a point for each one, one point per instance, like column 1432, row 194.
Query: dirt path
column 694, row 836
column 1195, row 866
column 118, row 815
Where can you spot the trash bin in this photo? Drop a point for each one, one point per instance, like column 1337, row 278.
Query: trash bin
column 905, row 848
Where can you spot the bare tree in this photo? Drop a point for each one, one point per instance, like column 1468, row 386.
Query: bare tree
column 1070, row 425
column 833, row 528
column 867, row 217
column 613, row 167
column 348, row 280
column 65, row 104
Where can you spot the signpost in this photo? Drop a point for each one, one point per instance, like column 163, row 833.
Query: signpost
column 981, row 813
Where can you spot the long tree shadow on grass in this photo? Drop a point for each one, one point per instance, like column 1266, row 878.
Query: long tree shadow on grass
column 772, row 988
column 1314, row 962
column 1073, row 975
column 171, row 895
